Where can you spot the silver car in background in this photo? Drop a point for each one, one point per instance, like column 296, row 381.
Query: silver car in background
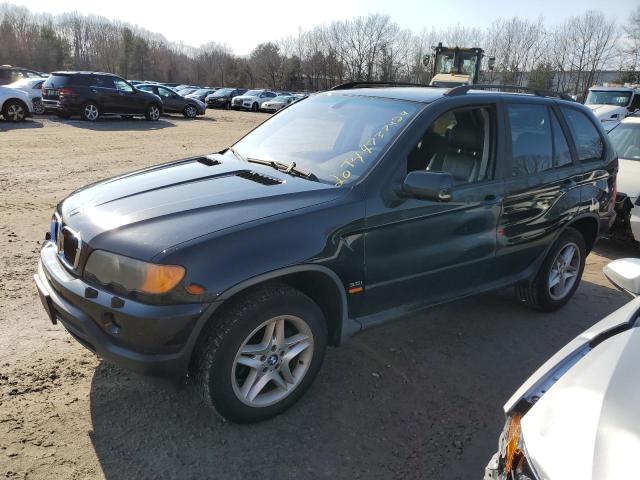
column 578, row 417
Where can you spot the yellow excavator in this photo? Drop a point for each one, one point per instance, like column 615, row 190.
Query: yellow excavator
column 456, row 66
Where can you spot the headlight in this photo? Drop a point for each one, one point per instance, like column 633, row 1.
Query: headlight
column 132, row 275
column 513, row 455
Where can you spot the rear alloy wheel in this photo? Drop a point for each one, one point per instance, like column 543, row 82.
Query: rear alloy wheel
column 254, row 107
column 259, row 355
column 559, row 275
column 153, row 112
column 14, row 111
column 90, row 112
column 190, row 111
column 38, row 107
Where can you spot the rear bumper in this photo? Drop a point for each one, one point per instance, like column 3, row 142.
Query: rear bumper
column 149, row 339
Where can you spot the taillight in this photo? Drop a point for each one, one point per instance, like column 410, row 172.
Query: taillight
column 66, row 91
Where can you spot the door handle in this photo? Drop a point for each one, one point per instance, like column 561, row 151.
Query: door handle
column 492, row 199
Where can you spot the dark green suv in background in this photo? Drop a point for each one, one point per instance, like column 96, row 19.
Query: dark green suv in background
column 347, row 209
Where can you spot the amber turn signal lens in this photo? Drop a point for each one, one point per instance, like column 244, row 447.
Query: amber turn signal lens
column 194, row 289
column 512, row 441
column 161, row 278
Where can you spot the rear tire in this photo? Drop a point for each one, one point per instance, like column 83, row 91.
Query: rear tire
column 153, row 112
column 14, row 111
column 90, row 112
column 273, row 337
column 559, row 276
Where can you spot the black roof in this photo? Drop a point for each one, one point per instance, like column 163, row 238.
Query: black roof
column 424, row 94
column 81, row 72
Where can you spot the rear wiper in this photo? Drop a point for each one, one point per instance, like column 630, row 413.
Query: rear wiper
column 284, row 168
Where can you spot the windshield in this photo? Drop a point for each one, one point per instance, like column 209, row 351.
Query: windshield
column 253, row 93
column 281, row 98
column 202, row 91
column 444, row 63
column 608, row 97
column 626, row 140
column 222, row 92
column 468, row 63
column 338, row 138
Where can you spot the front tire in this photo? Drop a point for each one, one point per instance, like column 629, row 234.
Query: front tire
column 259, row 356
column 559, row 275
column 254, row 107
column 14, row 111
column 38, row 107
column 90, row 112
column 190, row 111
column 153, row 112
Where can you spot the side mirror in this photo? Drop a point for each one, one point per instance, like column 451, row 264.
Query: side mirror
column 491, row 63
column 625, row 275
column 428, row 185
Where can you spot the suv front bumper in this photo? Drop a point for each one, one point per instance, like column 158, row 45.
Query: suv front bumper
column 149, row 339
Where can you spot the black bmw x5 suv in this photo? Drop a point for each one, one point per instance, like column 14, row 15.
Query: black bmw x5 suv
column 348, row 209
column 91, row 94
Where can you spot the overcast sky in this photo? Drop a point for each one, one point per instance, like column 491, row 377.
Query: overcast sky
column 244, row 24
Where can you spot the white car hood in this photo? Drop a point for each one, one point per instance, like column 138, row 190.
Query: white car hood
column 628, row 179
column 604, row 112
column 587, row 426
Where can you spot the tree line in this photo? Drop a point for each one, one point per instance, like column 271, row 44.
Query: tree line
column 568, row 57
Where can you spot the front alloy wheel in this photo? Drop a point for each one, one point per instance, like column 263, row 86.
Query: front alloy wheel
column 190, row 111
column 266, row 372
column 38, row 107
column 260, row 353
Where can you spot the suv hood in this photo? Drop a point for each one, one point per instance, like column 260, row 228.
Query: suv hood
column 144, row 213
column 587, row 425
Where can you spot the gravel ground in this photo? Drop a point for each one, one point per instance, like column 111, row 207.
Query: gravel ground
column 418, row 398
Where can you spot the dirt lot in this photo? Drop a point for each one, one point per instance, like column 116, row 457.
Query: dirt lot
column 420, row 398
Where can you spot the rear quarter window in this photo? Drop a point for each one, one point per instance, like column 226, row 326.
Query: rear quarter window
column 586, row 137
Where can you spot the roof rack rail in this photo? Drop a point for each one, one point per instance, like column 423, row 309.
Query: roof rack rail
column 350, row 85
column 463, row 89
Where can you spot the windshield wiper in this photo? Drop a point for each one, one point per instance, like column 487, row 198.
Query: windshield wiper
column 235, row 152
column 284, row 168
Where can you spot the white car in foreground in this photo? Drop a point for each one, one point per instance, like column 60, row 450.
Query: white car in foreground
column 578, row 417
column 252, row 100
column 626, row 141
column 33, row 86
column 15, row 105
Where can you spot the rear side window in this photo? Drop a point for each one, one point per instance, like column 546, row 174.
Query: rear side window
column 585, row 135
column 561, row 152
column 104, row 81
column 57, row 81
column 531, row 149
